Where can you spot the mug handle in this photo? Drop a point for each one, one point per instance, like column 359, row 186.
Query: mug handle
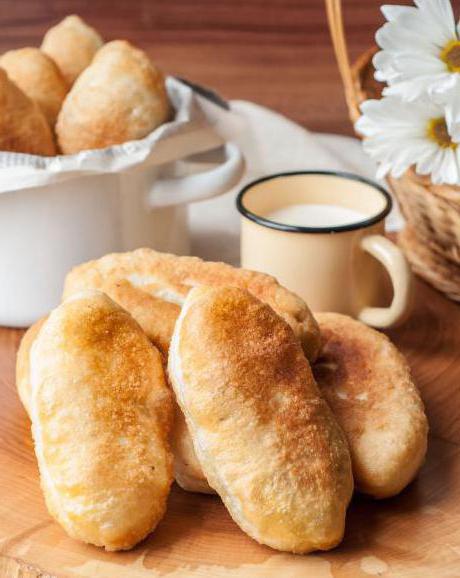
column 198, row 187
column 394, row 261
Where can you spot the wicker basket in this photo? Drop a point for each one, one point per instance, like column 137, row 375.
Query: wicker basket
column 432, row 212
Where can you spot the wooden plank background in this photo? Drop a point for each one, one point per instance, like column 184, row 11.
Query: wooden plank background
column 274, row 52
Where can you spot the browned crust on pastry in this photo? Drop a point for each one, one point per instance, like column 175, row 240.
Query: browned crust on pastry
column 101, row 413
column 120, row 97
column 367, row 383
column 23, row 126
column 156, row 316
column 268, row 443
column 72, row 44
column 187, row 468
column 149, row 313
column 180, row 274
column 38, row 76
column 156, row 273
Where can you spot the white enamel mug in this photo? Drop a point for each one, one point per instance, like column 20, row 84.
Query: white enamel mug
column 346, row 268
column 45, row 231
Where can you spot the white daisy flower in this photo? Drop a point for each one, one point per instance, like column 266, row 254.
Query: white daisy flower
column 420, row 50
column 399, row 135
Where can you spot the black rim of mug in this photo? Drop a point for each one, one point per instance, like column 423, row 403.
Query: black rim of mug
column 299, row 229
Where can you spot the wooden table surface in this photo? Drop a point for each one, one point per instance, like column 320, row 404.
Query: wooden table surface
column 415, row 535
column 275, row 52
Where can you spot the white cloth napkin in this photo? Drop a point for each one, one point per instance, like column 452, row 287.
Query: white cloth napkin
column 271, row 143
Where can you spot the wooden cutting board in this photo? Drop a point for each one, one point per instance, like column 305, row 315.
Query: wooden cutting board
column 414, row 535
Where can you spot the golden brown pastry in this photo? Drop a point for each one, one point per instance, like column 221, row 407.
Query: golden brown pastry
column 152, row 286
column 101, row 412
column 23, row 126
column 367, row 384
column 266, row 440
column 38, row 76
column 72, row 44
column 146, row 280
column 23, row 363
column 155, row 315
column 120, row 97
column 187, row 468
column 188, row 472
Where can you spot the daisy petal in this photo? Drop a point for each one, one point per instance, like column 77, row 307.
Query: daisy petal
column 439, row 11
column 397, row 135
column 392, row 12
column 412, row 43
column 453, row 118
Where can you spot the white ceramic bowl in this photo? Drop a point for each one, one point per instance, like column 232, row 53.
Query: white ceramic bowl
column 46, row 230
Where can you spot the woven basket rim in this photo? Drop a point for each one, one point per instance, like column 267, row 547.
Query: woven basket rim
column 431, row 266
column 432, row 210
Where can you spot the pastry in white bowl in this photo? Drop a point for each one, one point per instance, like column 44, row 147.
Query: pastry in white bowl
column 101, row 413
column 23, row 126
column 119, row 97
column 368, row 385
column 38, row 76
column 72, row 44
column 266, row 440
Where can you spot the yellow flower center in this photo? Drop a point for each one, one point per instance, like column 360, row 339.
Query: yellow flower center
column 450, row 54
column 437, row 130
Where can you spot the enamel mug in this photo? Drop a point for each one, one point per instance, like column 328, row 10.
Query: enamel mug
column 352, row 269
